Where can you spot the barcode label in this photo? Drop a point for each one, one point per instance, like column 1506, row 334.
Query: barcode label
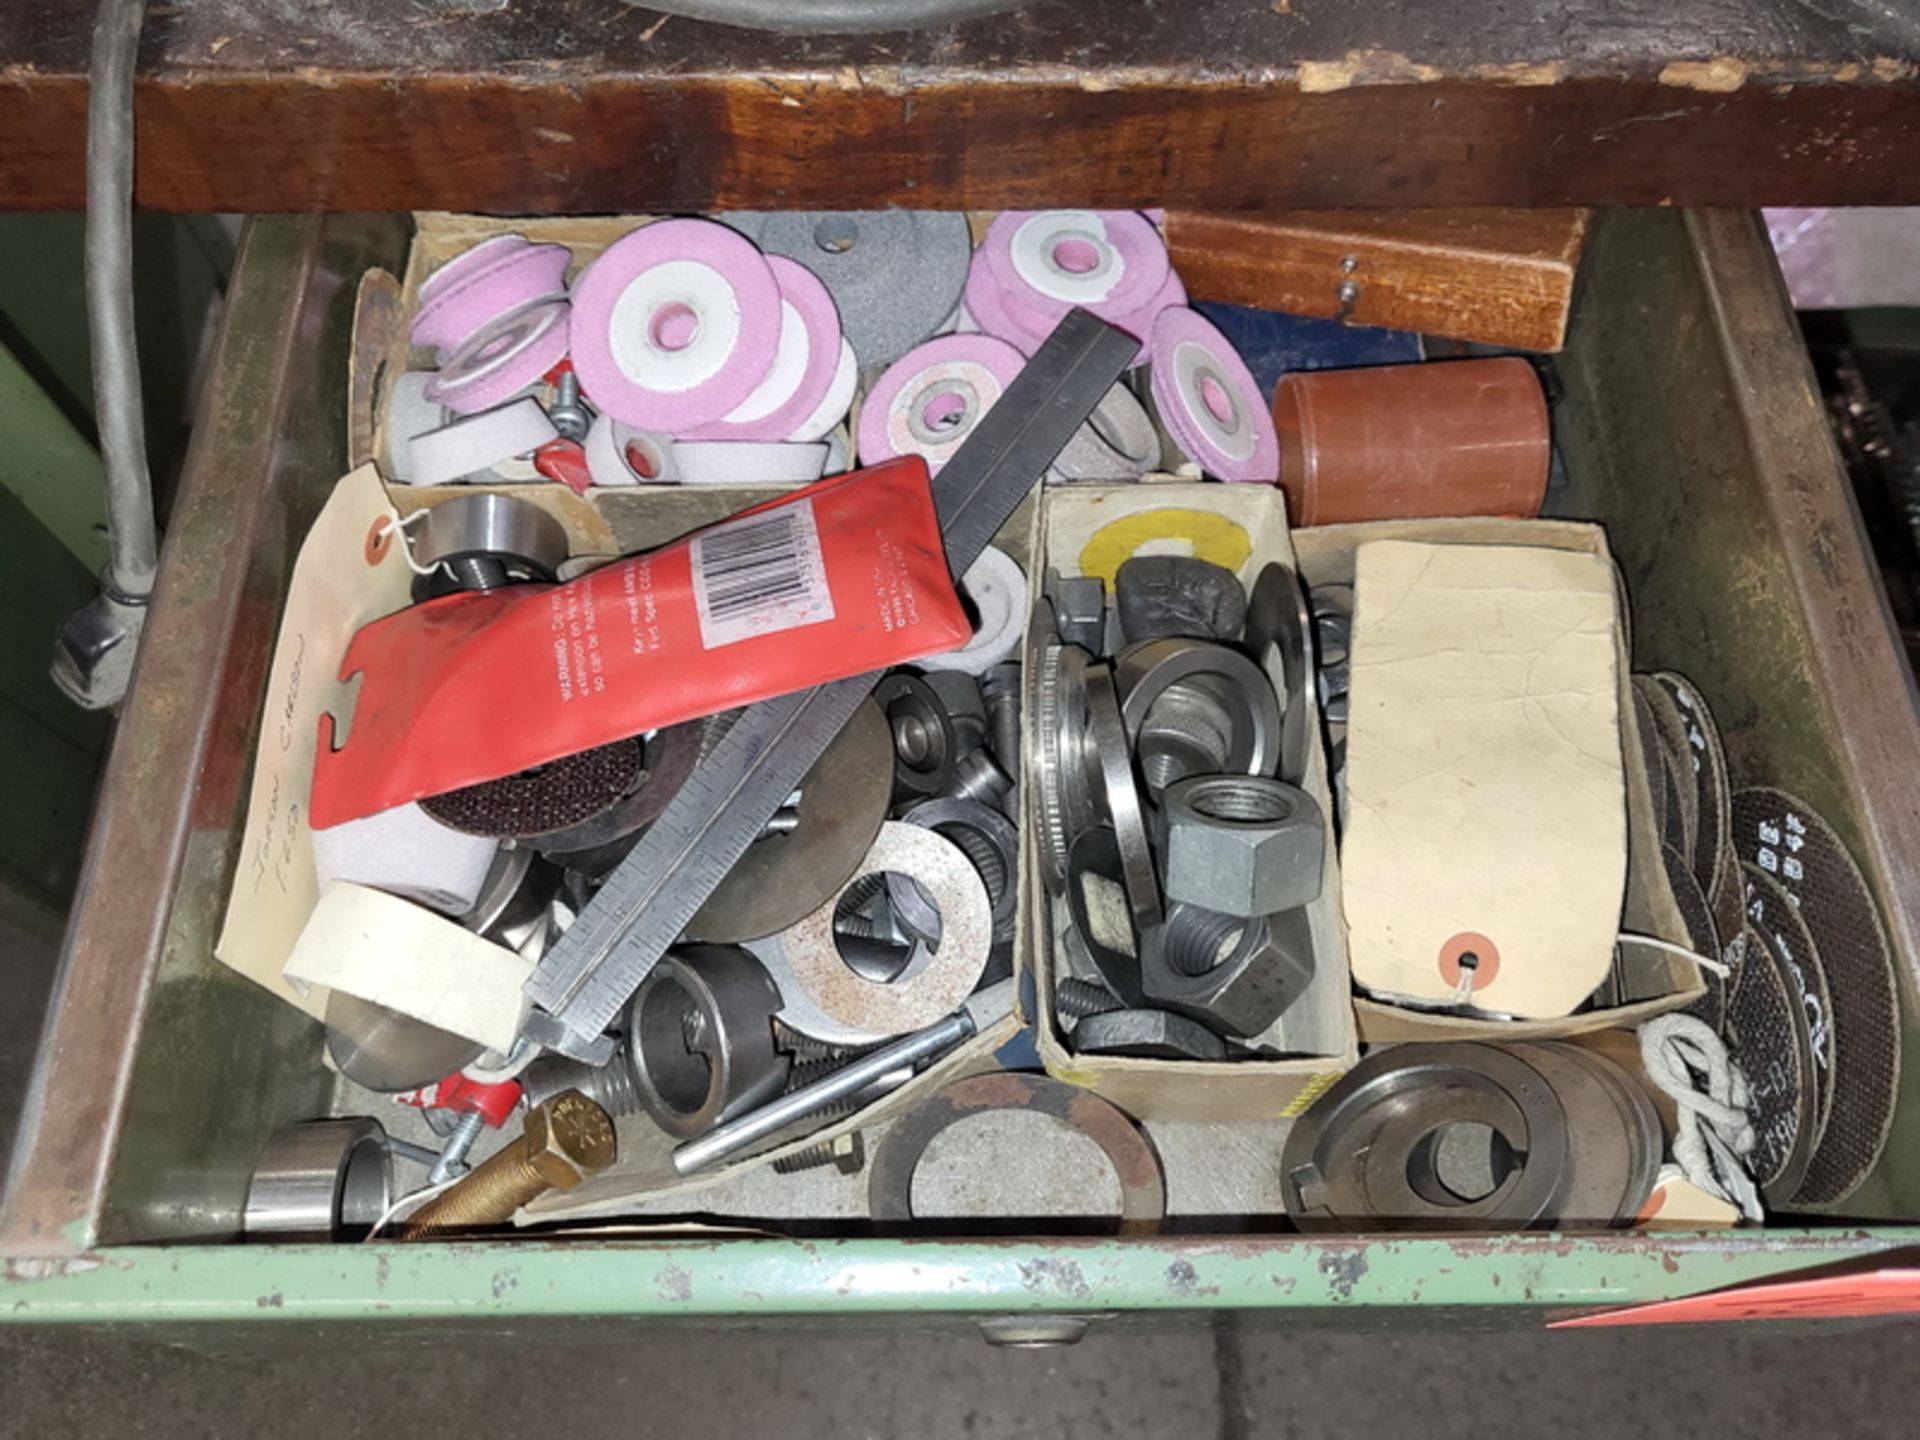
column 760, row 575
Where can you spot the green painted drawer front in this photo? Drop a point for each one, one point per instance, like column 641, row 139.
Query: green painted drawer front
column 1689, row 427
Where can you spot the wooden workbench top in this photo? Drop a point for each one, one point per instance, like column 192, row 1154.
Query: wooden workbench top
column 583, row 105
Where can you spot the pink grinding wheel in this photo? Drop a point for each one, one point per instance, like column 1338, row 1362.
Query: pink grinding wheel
column 503, row 358
column 470, row 262
column 993, row 313
column 1210, row 401
column 804, row 365
column 928, row 401
column 675, row 325
column 518, row 276
column 1112, row 262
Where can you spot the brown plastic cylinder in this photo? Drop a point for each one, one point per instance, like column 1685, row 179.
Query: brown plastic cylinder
column 1402, row 442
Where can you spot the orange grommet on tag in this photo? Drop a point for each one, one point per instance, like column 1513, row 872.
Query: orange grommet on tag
column 840, row 578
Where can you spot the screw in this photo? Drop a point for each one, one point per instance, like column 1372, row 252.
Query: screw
column 1076, row 998
column 564, row 1140
column 566, row 412
column 610, row 1086
column 452, row 1159
column 847, row 1154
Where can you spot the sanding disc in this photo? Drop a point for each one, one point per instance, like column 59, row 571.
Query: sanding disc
column 1707, row 764
column 1703, row 937
column 1682, row 827
column 1767, row 1034
column 1787, row 840
column 546, row 798
column 896, row 275
column 929, row 401
column 805, row 366
column 675, row 325
column 1770, row 912
column 1209, row 400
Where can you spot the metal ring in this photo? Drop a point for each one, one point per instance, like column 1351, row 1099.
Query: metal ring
column 827, row 999
column 1143, row 673
column 1120, row 795
column 783, row 878
column 1143, row 1187
column 1353, row 1161
column 1279, row 619
column 320, row 1180
column 495, row 527
column 924, row 747
column 700, row 1034
column 1058, row 764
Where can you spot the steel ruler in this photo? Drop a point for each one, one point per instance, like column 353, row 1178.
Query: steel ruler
column 593, row 969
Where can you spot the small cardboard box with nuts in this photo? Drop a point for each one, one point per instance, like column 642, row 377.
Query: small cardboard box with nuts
column 1243, row 869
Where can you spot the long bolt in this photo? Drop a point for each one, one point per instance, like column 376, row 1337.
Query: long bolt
column 565, row 1139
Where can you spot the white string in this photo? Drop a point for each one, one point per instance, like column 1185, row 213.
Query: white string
column 1687, row 1060
column 390, row 526
column 410, row 1203
column 1654, row 942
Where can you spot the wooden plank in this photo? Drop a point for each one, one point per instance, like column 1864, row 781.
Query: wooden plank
column 1501, row 277
column 575, row 106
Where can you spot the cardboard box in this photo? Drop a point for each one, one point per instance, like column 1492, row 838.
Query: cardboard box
column 1654, row 981
column 1246, row 527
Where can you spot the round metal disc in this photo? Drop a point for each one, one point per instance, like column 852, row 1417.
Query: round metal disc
column 388, row 1052
column 784, row 878
column 1791, row 842
column 1767, row 1033
column 1143, row 1188
column 1642, row 1120
column 1607, row 1161
column 1278, row 618
column 1118, row 794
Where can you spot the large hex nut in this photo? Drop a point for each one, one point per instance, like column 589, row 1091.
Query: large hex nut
column 1234, row 975
column 1146, row 1035
column 1241, row 844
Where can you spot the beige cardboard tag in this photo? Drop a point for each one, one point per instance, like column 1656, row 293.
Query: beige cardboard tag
column 403, row 956
column 1484, row 858
column 351, row 569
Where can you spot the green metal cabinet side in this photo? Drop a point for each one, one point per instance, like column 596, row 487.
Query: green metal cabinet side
column 533, row 1278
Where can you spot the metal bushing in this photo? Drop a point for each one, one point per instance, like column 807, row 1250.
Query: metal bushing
column 924, row 744
column 1147, row 1035
column 988, row 840
column 320, row 1180
column 1611, row 1169
column 1242, row 844
column 1143, row 673
column 1234, row 975
column 961, row 695
column 1118, row 796
column 601, row 841
column 484, row 542
column 1102, row 919
column 1279, row 621
column 700, row 1033
column 1058, row 763
column 1143, row 1188
column 784, row 877
column 1167, row 597
column 1373, row 1152
column 827, row 999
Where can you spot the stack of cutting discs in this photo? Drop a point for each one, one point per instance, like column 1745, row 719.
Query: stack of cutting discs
column 1809, row 910
column 1463, row 1136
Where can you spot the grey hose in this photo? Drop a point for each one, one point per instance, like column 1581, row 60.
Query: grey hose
column 830, row 17
column 116, row 362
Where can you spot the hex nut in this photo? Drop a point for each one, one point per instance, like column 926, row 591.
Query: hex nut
column 1079, row 609
column 1162, row 596
column 1147, row 1035
column 1242, row 845
column 567, row 1139
column 1235, row 976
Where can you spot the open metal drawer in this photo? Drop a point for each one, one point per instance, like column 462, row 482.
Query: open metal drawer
column 1689, row 425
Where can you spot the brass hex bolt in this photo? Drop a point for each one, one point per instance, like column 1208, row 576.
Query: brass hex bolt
column 565, row 1139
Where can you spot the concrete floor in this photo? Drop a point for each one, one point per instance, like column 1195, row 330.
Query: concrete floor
column 1231, row 1380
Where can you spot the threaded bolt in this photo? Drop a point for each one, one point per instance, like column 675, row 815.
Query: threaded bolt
column 1196, row 940
column 1000, row 687
column 610, row 1086
column 1076, row 998
column 846, row 1153
column 976, row 776
column 452, row 1159
column 564, row 1140
column 477, row 572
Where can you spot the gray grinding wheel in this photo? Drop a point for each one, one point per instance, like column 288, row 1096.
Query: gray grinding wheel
column 896, row 275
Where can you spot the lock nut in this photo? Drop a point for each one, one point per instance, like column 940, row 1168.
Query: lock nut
column 1241, row 845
